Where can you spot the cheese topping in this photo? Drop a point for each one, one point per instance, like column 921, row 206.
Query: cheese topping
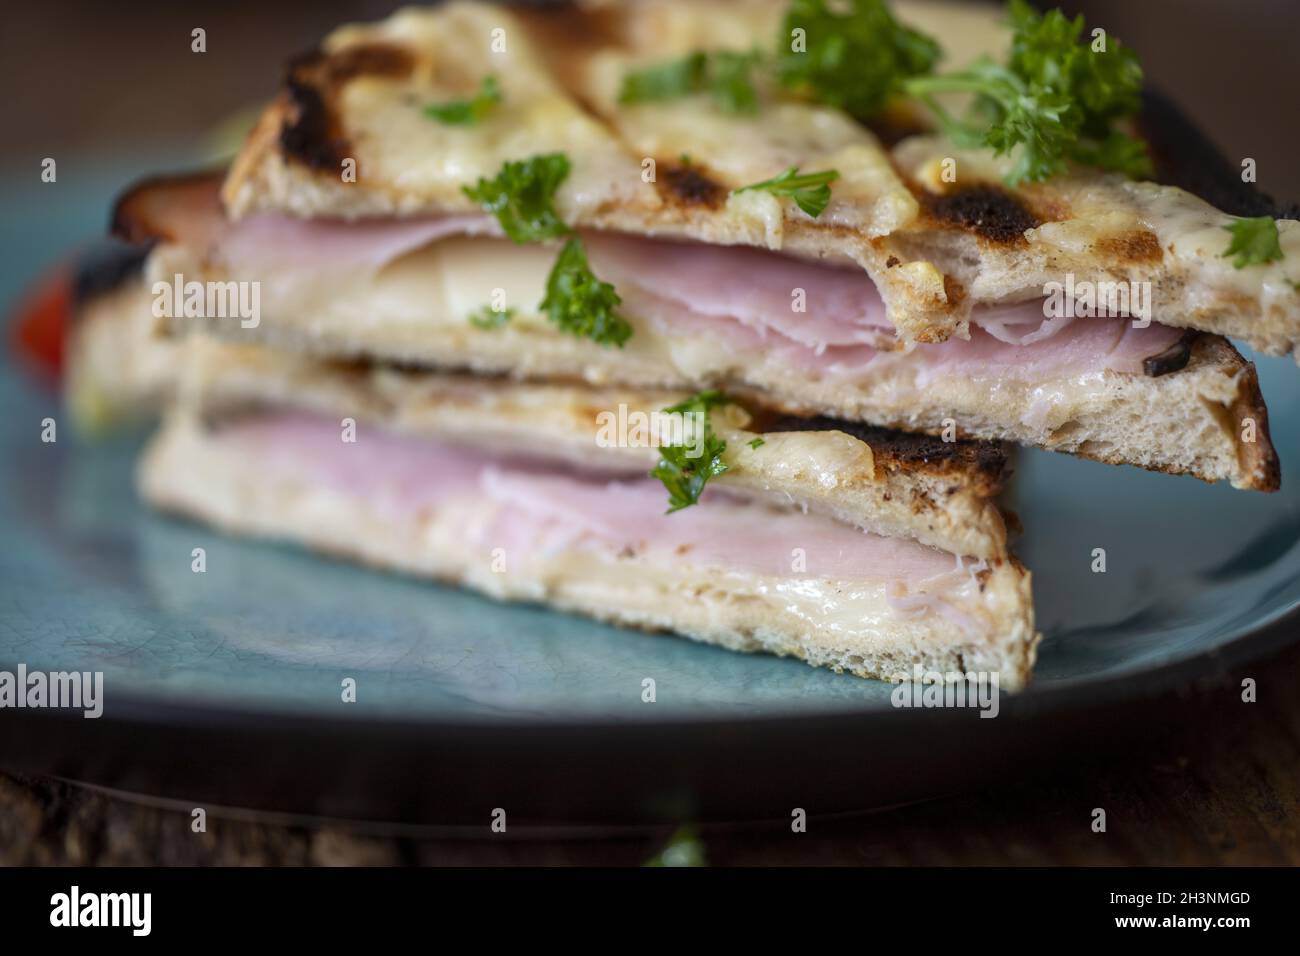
column 430, row 161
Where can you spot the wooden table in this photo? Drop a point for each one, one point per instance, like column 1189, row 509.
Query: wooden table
column 1216, row 792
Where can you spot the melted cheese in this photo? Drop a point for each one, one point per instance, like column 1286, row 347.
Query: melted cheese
column 738, row 150
column 1195, row 284
column 423, row 164
column 468, row 279
column 1194, row 233
column 429, row 162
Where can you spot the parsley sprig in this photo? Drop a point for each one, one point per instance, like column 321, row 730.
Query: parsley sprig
column 811, row 191
column 467, row 112
column 581, row 304
column 684, row 474
column 1255, row 242
column 1055, row 98
column 726, row 74
column 855, row 60
column 522, row 197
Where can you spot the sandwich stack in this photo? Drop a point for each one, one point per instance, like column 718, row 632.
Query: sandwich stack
column 595, row 307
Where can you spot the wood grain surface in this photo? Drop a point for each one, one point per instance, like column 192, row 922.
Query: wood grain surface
column 1222, row 790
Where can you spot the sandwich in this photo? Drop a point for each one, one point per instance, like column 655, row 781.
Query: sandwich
column 820, row 266
column 848, row 547
column 121, row 369
column 845, row 545
column 418, row 177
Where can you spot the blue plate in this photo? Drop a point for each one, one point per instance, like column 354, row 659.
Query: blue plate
column 244, row 663
column 92, row 580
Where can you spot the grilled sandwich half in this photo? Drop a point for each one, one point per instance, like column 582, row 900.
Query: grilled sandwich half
column 805, row 337
column 937, row 248
column 910, row 301
column 852, row 548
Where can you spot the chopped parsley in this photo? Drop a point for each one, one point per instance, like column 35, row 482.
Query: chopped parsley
column 684, row 474
column 522, row 197
column 856, row 59
column 1055, row 98
column 665, row 81
column 730, row 81
column 725, row 74
column 1254, row 242
column 581, row 304
column 757, row 442
column 812, row 191
column 467, row 112
column 488, row 318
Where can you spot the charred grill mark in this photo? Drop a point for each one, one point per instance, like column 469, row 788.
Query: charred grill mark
column 897, row 448
column 1172, row 359
column 989, row 211
column 690, row 186
column 1140, row 245
column 368, row 59
column 312, row 132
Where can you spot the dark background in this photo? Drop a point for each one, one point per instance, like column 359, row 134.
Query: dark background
column 114, row 85
column 85, row 74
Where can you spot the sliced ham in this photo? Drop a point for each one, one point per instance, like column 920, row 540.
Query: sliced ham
column 759, row 289
column 1014, row 327
column 538, row 507
column 1080, row 348
column 267, row 242
column 742, row 297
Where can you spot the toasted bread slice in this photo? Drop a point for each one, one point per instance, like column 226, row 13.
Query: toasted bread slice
column 939, row 493
column 935, row 249
column 121, row 366
column 507, row 489
column 358, row 98
column 1004, row 245
column 200, row 474
column 1097, row 389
